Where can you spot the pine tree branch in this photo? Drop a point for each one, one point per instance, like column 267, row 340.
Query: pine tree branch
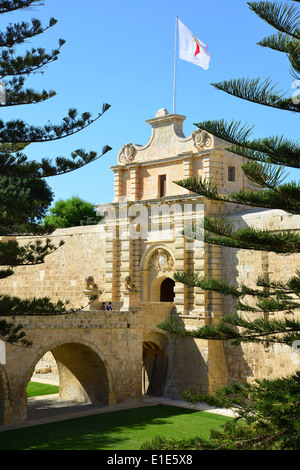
column 283, row 43
column 280, row 42
column 18, row 166
column 290, row 159
column 21, row 209
column 276, row 150
column 258, row 92
column 31, row 62
column 193, row 279
column 278, row 195
column 203, row 187
column 32, row 253
column 237, row 329
column 16, row 95
column 35, row 306
column 283, row 293
column 12, row 334
column 283, row 17
column 284, row 197
column 19, row 132
column 18, row 33
column 249, row 238
column 7, row 6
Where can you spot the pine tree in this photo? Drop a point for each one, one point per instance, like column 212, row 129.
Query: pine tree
column 265, row 167
column 24, row 194
column 270, row 409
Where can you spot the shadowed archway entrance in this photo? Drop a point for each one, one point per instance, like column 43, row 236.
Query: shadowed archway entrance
column 155, row 364
column 82, row 379
column 167, row 290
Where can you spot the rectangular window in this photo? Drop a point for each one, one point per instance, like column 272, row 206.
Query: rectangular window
column 162, row 185
column 231, row 173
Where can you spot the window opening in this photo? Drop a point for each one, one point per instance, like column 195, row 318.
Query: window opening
column 231, row 173
column 162, row 185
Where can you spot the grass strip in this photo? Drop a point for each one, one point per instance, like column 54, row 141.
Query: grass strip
column 117, row 430
column 35, row 389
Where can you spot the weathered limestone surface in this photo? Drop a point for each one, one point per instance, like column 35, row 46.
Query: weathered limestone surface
column 243, row 266
column 62, row 276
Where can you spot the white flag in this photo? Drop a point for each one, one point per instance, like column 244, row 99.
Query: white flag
column 191, row 48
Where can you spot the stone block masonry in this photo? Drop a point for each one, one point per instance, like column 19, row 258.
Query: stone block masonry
column 109, row 357
column 98, row 356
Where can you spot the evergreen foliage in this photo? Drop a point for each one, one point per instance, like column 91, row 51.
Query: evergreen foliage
column 268, row 410
column 71, row 213
column 24, row 194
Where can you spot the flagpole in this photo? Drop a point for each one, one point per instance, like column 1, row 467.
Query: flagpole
column 175, row 57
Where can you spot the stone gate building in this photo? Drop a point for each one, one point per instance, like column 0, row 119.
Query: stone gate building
column 129, row 259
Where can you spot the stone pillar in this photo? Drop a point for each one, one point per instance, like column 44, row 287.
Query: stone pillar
column 128, row 259
column 92, row 297
column 187, row 161
column 179, row 264
column 124, row 261
column 134, row 183
column 136, row 256
column 213, row 167
column 217, row 363
column 194, row 254
column 118, row 183
column 197, row 263
column 215, row 271
column 112, row 268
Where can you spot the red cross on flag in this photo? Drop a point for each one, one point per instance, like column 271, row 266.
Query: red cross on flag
column 191, row 48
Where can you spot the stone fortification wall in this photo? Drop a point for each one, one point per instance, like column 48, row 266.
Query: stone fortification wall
column 101, row 349
column 191, row 362
column 62, row 275
column 243, row 267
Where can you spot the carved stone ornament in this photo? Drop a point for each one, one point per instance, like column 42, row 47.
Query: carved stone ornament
column 129, row 284
column 90, row 283
column 161, row 260
column 201, row 139
column 126, row 154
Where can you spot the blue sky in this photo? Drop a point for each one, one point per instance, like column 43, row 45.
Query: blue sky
column 122, row 53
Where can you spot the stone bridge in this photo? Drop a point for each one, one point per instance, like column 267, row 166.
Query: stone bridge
column 99, row 355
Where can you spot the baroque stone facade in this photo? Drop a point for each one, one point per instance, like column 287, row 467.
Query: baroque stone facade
column 129, row 260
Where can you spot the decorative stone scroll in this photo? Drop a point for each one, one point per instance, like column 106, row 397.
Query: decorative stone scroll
column 126, row 154
column 161, row 261
column 201, row 139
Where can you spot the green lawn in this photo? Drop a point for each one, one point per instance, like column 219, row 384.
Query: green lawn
column 35, row 389
column 117, row 430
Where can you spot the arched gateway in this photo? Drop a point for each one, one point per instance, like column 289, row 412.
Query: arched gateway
column 167, row 290
column 82, row 374
column 155, row 364
column 132, row 257
column 91, row 354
